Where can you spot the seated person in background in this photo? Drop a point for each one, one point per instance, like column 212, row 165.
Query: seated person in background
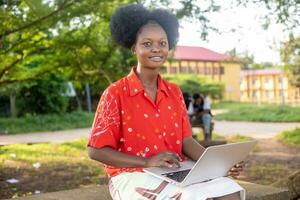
column 201, row 114
column 187, row 99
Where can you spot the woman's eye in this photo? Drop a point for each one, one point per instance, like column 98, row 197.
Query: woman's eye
column 163, row 43
column 147, row 44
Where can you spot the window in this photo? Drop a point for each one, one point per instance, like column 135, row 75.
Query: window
column 267, row 81
column 222, row 70
column 216, row 70
column 173, row 70
column 208, row 70
column 183, row 69
column 192, row 69
column 201, row 70
column 281, row 93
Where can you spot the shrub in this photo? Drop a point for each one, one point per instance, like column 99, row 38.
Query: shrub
column 196, row 84
column 44, row 96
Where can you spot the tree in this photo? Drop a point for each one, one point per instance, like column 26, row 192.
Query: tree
column 37, row 29
column 68, row 37
column 290, row 55
column 286, row 12
column 29, row 34
column 263, row 65
column 67, row 34
column 246, row 60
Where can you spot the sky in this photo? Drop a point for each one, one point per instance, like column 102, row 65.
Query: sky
column 249, row 35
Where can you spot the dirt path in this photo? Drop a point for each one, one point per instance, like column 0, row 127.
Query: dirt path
column 271, row 161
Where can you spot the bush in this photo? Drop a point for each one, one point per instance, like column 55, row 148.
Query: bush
column 44, row 96
column 196, row 84
column 4, row 106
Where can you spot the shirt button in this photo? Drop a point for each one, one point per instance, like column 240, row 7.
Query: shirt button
column 156, row 115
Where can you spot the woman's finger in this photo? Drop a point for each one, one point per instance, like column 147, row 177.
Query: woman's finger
column 234, row 169
column 172, row 159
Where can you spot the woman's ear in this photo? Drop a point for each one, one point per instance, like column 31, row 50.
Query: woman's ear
column 133, row 49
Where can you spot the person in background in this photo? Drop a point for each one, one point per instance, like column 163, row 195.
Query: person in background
column 187, row 99
column 202, row 114
column 141, row 120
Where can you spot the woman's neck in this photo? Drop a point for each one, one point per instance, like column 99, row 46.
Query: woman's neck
column 148, row 77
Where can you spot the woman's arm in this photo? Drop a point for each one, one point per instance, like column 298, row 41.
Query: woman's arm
column 192, row 149
column 112, row 157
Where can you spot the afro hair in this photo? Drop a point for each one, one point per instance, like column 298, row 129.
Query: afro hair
column 128, row 20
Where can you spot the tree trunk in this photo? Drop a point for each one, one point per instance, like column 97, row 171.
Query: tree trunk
column 88, row 97
column 79, row 107
column 13, row 107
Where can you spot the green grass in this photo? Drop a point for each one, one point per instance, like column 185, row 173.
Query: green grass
column 45, row 152
column 238, row 138
column 49, row 122
column 291, row 137
column 62, row 166
column 258, row 113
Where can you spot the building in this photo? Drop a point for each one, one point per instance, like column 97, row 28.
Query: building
column 267, row 85
column 212, row 65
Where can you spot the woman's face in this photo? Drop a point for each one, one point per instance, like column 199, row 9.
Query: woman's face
column 151, row 46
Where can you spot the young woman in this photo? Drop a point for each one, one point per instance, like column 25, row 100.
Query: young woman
column 141, row 120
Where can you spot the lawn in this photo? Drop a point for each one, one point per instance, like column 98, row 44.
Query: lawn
column 48, row 122
column 257, row 113
column 46, row 167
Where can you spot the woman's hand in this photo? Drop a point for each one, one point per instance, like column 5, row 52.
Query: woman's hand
column 164, row 159
column 236, row 170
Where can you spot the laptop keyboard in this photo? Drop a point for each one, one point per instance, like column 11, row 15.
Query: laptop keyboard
column 177, row 176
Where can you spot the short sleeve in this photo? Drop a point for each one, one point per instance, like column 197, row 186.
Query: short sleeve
column 186, row 126
column 105, row 129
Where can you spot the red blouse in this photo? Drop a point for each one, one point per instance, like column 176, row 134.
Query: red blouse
column 129, row 121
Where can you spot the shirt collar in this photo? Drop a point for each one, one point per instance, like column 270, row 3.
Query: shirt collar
column 135, row 85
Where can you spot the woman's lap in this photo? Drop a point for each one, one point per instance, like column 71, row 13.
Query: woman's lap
column 141, row 186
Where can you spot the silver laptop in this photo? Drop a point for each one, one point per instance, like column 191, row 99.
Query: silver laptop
column 215, row 162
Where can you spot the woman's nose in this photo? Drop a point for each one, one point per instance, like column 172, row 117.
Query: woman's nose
column 155, row 48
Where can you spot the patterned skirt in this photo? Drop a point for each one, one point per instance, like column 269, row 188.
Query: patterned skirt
column 142, row 186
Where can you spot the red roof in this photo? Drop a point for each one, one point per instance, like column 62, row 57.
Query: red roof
column 261, row 72
column 198, row 53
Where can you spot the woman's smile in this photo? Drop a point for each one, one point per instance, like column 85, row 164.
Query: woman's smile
column 156, row 58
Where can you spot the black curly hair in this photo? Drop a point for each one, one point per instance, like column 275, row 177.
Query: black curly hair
column 128, row 20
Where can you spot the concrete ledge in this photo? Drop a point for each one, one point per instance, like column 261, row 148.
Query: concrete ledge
column 97, row 192
column 100, row 192
column 264, row 192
